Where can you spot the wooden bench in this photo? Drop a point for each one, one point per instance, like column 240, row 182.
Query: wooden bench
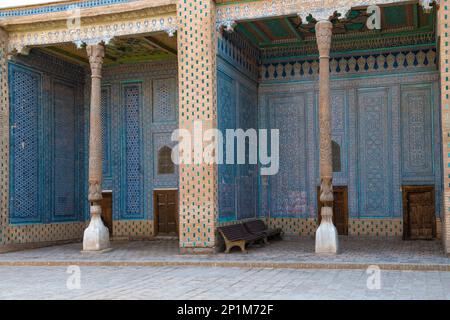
column 236, row 235
column 259, row 227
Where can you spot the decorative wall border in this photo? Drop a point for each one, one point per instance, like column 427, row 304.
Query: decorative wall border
column 396, row 61
column 320, row 9
column 94, row 32
column 52, row 8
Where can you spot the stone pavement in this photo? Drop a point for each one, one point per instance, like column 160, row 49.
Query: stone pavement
column 218, row 283
column 355, row 253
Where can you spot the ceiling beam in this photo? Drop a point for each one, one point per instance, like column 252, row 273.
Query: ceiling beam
column 293, row 28
column 158, row 44
column 259, row 32
column 63, row 54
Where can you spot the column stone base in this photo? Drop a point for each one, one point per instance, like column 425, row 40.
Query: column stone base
column 96, row 235
column 326, row 234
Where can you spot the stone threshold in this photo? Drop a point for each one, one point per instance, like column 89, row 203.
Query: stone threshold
column 233, row 264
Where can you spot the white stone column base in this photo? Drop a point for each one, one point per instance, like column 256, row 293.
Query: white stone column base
column 326, row 234
column 96, row 235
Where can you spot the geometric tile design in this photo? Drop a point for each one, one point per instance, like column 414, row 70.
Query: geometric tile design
column 375, row 227
column 366, row 124
column 444, row 32
column 133, row 228
column 395, row 61
column 133, row 134
column 65, row 174
column 25, row 148
column 57, row 112
column 197, row 91
column 237, row 108
column 4, row 136
column 44, row 232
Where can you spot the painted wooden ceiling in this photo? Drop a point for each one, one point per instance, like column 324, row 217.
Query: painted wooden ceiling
column 274, row 32
column 122, row 50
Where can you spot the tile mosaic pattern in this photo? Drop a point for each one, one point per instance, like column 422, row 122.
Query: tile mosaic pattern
column 133, row 229
column 198, row 102
column 4, row 136
column 347, row 65
column 366, row 171
column 444, row 30
column 58, row 7
column 44, row 232
column 158, row 95
column 25, row 200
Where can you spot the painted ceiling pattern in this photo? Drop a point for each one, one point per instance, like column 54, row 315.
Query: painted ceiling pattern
column 286, row 36
column 122, row 50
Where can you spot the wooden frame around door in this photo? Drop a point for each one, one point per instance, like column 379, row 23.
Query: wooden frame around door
column 405, row 191
column 156, row 211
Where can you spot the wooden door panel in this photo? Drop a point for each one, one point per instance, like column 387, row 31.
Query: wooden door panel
column 106, row 205
column 166, row 211
column 419, row 212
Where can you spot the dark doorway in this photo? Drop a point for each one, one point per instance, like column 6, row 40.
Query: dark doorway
column 166, row 212
column 106, row 205
column 419, row 218
column 340, row 209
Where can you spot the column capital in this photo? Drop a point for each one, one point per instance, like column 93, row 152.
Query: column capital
column 324, row 31
column 96, row 53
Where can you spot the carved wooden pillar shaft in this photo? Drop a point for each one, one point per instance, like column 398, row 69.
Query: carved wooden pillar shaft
column 326, row 237
column 96, row 236
column 96, row 54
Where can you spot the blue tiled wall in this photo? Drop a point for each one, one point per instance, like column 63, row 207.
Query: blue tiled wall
column 139, row 112
column 46, row 116
column 237, row 108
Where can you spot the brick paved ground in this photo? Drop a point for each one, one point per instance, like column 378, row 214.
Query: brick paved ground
column 365, row 251
column 218, row 283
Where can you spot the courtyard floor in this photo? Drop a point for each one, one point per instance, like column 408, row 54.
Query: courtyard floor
column 391, row 254
column 287, row 269
column 204, row 283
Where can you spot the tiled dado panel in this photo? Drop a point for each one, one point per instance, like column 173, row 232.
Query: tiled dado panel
column 35, row 233
column 197, row 45
column 386, row 127
column 133, row 229
column 139, row 112
column 356, row 227
column 237, row 109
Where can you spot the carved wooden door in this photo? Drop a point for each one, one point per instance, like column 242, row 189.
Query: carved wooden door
column 106, row 205
column 166, row 209
column 420, row 220
column 340, row 209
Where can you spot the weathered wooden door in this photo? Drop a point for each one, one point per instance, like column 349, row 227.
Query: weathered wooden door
column 166, row 211
column 419, row 220
column 106, row 205
column 340, row 209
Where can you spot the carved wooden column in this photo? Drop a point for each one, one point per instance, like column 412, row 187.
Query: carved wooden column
column 96, row 236
column 326, row 234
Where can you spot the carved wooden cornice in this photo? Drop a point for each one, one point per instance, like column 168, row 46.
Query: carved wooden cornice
column 152, row 7
column 228, row 13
